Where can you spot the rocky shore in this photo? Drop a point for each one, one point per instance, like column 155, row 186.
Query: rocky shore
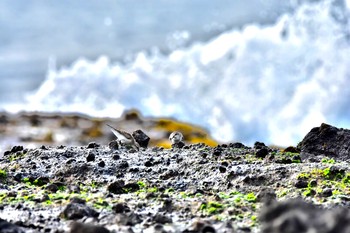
column 101, row 187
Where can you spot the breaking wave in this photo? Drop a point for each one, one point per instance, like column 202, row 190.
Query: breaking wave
column 268, row 83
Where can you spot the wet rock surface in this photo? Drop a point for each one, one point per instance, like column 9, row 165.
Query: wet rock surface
column 194, row 188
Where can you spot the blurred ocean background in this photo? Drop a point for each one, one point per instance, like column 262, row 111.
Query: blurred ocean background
column 255, row 70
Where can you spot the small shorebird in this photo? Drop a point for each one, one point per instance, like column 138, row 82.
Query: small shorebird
column 125, row 138
column 176, row 137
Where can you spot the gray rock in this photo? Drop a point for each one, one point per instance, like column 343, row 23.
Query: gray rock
column 141, row 138
column 75, row 211
column 327, row 140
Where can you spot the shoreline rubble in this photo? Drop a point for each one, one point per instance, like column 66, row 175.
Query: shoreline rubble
column 194, row 188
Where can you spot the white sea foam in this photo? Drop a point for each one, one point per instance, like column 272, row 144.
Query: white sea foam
column 271, row 83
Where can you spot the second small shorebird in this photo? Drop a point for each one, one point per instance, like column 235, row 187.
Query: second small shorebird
column 125, row 138
column 176, row 139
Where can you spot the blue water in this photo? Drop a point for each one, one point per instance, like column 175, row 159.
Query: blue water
column 247, row 71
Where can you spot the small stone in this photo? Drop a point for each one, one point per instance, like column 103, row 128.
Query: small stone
column 52, row 188
column 217, row 151
column 101, row 163
column 224, row 163
column 236, row 145
column 159, row 228
column 162, row 219
column 116, row 187
column 292, row 149
column 92, row 145
column 301, row 184
column 90, row 157
column 42, row 181
column 116, row 156
column 148, row 163
column 77, row 200
column 75, row 211
column 12, row 194
column 261, row 153
column 327, row 192
column 141, row 138
column 16, row 149
column 222, row 169
column 202, row 227
column 43, row 147
column 18, row 177
column 123, row 164
column 119, row 187
column 134, row 169
column 167, row 205
column 121, row 208
column 313, row 183
column 259, row 145
column 7, row 153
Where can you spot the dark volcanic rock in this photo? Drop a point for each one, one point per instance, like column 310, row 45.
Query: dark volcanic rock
column 52, row 188
column 16, row 149
column 161, row 218
column 141, row 138
column 77, row 211
column 217, row 151
column 121, row 208
column 102, row 163
column 292, row 149
column 119, row 187
column 301, row 184
column 327, row 140
column 259, row 145
column 261, row 153
column 200, row 227
column 90, row 157
column 327, row 192
column 93, row 145
column 296, row 216
column 116, row 187
column 237, row 145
